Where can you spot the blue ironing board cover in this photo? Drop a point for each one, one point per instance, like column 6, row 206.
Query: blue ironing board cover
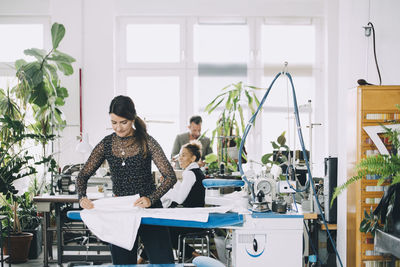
column 139, row 265
column 209, row 183
column 215, row 220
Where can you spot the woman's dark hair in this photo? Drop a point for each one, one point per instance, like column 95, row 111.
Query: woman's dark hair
column 194, row 147
column 123, row 106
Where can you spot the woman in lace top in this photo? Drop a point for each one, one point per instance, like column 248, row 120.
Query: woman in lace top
column 129, row 152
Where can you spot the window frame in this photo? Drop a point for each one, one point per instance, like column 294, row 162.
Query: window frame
column 7, row 68
column 123, row 22
column 187, row 69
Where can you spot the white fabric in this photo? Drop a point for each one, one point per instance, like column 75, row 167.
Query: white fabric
column 184, row 214
column 181, row 189
column 116, row 221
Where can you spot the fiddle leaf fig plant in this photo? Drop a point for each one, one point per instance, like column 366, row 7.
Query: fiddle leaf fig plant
column 40, row 85
column 31, row 111
column 39, row 88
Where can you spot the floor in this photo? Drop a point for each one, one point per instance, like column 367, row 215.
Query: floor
column 39, row 263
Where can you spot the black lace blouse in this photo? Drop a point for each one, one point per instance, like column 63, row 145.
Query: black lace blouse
column 130, row 169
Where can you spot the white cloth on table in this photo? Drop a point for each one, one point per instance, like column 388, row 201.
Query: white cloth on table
column 115, row 220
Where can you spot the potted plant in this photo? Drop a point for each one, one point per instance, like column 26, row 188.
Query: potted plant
column 386, row 216
column 15, row 163
column 38, row 90
column 230, row 125
column 279, row 156
column 31, row 223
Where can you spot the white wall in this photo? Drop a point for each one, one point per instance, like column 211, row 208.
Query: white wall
column 356, row 62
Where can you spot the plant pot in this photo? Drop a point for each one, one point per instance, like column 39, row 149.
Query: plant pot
column 19, row 247
column 36, row 244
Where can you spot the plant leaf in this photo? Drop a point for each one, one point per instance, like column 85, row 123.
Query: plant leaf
column 58, row 56
column 66, row 68
column 274, row 145
column 266, row 158
column 39, row 54
column 39, row 95
column 281, row 139
column 57, row 34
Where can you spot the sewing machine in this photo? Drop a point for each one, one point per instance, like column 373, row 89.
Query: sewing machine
column 265, row 237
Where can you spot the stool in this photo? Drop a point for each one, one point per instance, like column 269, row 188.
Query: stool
column 203, row 236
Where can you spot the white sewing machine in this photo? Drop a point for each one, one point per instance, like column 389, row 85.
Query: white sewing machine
column 265, row 238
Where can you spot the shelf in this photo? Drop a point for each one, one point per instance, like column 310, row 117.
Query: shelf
column 331, row 226
column 368, row 106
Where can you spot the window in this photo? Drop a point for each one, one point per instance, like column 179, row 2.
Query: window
column 151, row 71
column 19, row 37
column 153, row 43
column 156, row 100
column 174, row 67
column 221, row 43
column 18, row 34
column 294, row 44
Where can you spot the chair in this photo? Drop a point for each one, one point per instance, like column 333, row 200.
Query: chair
column 202, row 237
column 202, row 261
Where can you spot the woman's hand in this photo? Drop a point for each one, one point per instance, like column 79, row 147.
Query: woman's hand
column 86, row 203
column 143, row 202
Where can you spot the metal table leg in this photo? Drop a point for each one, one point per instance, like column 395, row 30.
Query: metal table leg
column 45, row 237
column 59, row 238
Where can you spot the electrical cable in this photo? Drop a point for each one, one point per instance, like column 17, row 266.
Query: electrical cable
column 294, row 202
column 300, row 135
column 376, row 60
column 312, row 244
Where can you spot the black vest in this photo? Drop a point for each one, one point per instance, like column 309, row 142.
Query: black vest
column 196, row 195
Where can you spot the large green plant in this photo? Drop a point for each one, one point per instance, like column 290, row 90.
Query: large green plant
column 15, row 163
column 39, row 92
column 230, row 125
column 39, row 86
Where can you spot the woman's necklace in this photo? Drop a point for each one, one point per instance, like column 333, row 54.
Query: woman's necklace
column 123, row 151
column 123, row 157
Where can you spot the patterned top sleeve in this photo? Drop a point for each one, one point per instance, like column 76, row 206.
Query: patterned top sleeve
column 96, row 158
column 164, row 167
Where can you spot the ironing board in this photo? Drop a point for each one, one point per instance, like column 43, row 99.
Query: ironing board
column 215, row 220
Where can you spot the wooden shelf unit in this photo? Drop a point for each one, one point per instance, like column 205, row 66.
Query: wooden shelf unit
column 368, row 105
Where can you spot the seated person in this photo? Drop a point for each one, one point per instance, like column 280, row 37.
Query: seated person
column 193, row 134
column 189, row 192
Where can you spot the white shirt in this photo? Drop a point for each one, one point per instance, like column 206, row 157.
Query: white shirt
column 181, row 189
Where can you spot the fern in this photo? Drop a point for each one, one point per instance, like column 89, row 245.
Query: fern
column 341, row 188
column 385, row 166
